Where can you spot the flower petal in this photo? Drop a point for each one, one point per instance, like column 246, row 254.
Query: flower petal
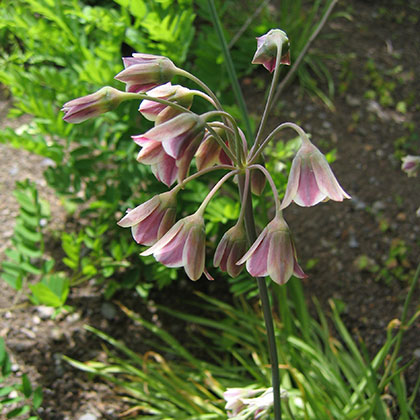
column 293, row 182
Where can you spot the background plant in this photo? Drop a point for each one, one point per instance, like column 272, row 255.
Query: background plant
column 327, row 372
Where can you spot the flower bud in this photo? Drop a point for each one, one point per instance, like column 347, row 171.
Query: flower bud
column 93, row 105
column 410, row 165
column 151, row 220
column 183, row 245
column 145, row 71
column 267, row 49
column 210, row 152
column 273, row 253
column 258, row 179
column 230, row 249
column 173, row 93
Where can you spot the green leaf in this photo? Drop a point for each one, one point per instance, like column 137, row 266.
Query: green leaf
column 20, row 411
column 37, row 398
column 26, row 386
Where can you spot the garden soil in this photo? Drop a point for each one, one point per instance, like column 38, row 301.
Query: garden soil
column 362, row 252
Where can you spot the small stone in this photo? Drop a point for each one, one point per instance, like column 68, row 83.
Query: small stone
column 88, row 416
column 45, row 312
column 416, row 353
column 36, row 319
column 108, row 310
column 57, row 334
column 353, row 242
column 74, row 317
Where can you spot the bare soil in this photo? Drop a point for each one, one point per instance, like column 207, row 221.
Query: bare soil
column 341, row 242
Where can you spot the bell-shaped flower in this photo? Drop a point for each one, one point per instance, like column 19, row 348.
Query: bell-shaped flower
column 177, row 133
column 145, row 71
column 210, row 152
column 258, row 179
column 267, row 49
column 163, row 166
column 230, row 249
column 311, row 179
column 183, row 246
column 410, row 165
column 151, row 220
column 173, row 93
column 234, row 399
column 273, row 253
column 93, row 105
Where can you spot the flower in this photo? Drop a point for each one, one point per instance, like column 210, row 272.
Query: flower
column 177, row 133
column 267, row 49
column 410, row 165
column 146, row 71
column 163, row 166
column 233, row 398
column 210, row 152
column 273, row 253
column 258, row 179
column 175, row 93
column 230, row 248
column 93, row 105
column 183, row 245
column 151, row 220
column 311, row 179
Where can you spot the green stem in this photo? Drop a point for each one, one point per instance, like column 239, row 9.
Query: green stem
column 269, row 102
column 230, row 68
column 272, row 185
column 254, row 154
column 200, row 83
column 213, row 191
column 401, row 328
column 200, row 173
column 265, row 302
column 240, row 155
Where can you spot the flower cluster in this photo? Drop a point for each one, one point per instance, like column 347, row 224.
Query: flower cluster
column 248, row 403
column 217, row 143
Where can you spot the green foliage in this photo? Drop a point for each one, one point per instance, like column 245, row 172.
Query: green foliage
column 326, row 374
column 17, row 399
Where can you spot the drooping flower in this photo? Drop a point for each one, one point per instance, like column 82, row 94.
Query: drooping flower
column 234, row 399
column 273, row 253
column 145, row 71
column 163, row 166
column 177, row 133
column 210, row 152
column 258, row 179
column 311, row 179
column 267, row 49
column 173, row 93
column 410, row 165
column 93, row 105
column 183, row 246
column 230, row 248
column 151, row 220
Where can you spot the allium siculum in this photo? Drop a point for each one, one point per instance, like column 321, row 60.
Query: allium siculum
column 183, row 246
column 151, row 220
column 410, row 165
column 163, row 166
column 173, row 93
column 267, row 49
column 210, row 152
column 230, row 249
column 93, row 105
column 145, row 71
column 273, row 253
column 311, row 179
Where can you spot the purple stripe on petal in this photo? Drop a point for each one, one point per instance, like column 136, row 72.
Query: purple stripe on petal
column 280, row 257
column 171, row 254
column 146, row 231
column 308, row 193
column 293, row 182
column 257, row 262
